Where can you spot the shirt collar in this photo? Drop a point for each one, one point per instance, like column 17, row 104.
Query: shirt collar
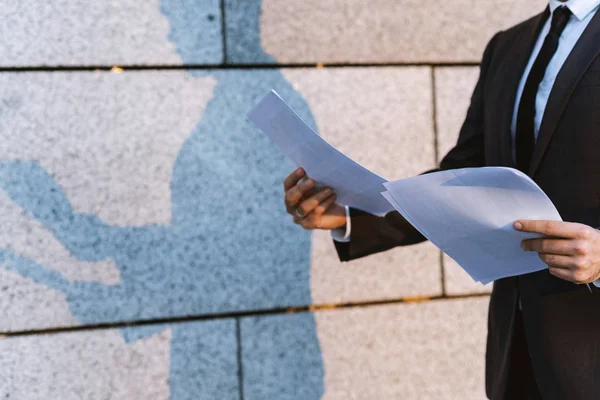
column 579, row 8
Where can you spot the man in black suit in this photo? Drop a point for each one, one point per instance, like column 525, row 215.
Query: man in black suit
column 536, row 107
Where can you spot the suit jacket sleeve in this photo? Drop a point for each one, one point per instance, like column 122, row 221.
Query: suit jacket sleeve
column 373, row 234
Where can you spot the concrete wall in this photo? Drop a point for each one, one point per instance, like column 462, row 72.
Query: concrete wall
column 144, row 248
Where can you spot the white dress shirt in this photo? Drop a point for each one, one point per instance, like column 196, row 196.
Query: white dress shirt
column 343, row 234
column 583, row 11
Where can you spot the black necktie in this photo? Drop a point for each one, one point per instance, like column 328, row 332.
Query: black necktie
column 525, row 134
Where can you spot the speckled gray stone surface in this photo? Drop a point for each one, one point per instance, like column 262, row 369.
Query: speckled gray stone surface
column 412, row 271
column 25, row 304
column 433, row 350
column 243, row 32
column 280, row 360
column 153, row 177
column 77, row 32
column 453, row 90
column 381, row 117
column 179, row 362
column 371, row 31
column 459, row 282
column 146, row 174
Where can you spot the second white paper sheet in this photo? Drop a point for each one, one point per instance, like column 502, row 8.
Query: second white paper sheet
column 469, row 214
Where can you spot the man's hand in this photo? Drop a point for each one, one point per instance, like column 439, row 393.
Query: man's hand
column 310, row 208
column 572, row 251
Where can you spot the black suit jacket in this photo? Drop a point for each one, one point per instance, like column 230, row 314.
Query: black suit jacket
column 562, row 320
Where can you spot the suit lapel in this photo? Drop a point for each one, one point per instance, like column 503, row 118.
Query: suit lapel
column 583, row 54
column 510, row 74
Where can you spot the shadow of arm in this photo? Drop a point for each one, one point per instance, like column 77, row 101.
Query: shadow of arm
column 34, row 190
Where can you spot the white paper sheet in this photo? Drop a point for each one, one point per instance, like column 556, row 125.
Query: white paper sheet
column 354, row 185
column 469, row 214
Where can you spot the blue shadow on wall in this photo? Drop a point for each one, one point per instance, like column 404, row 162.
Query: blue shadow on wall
column 230, row 246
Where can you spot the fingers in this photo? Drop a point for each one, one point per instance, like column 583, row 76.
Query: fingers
column 561, row 273
column 572, row 275
column 325, row 205
column 569, row 252
column 293, row 179
column 556, row 261
column 313, row 219
column 555, row 246
column 296, row 193
column 303, row 202
column 572, row 269
column 558, row 229
column 310, row 204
